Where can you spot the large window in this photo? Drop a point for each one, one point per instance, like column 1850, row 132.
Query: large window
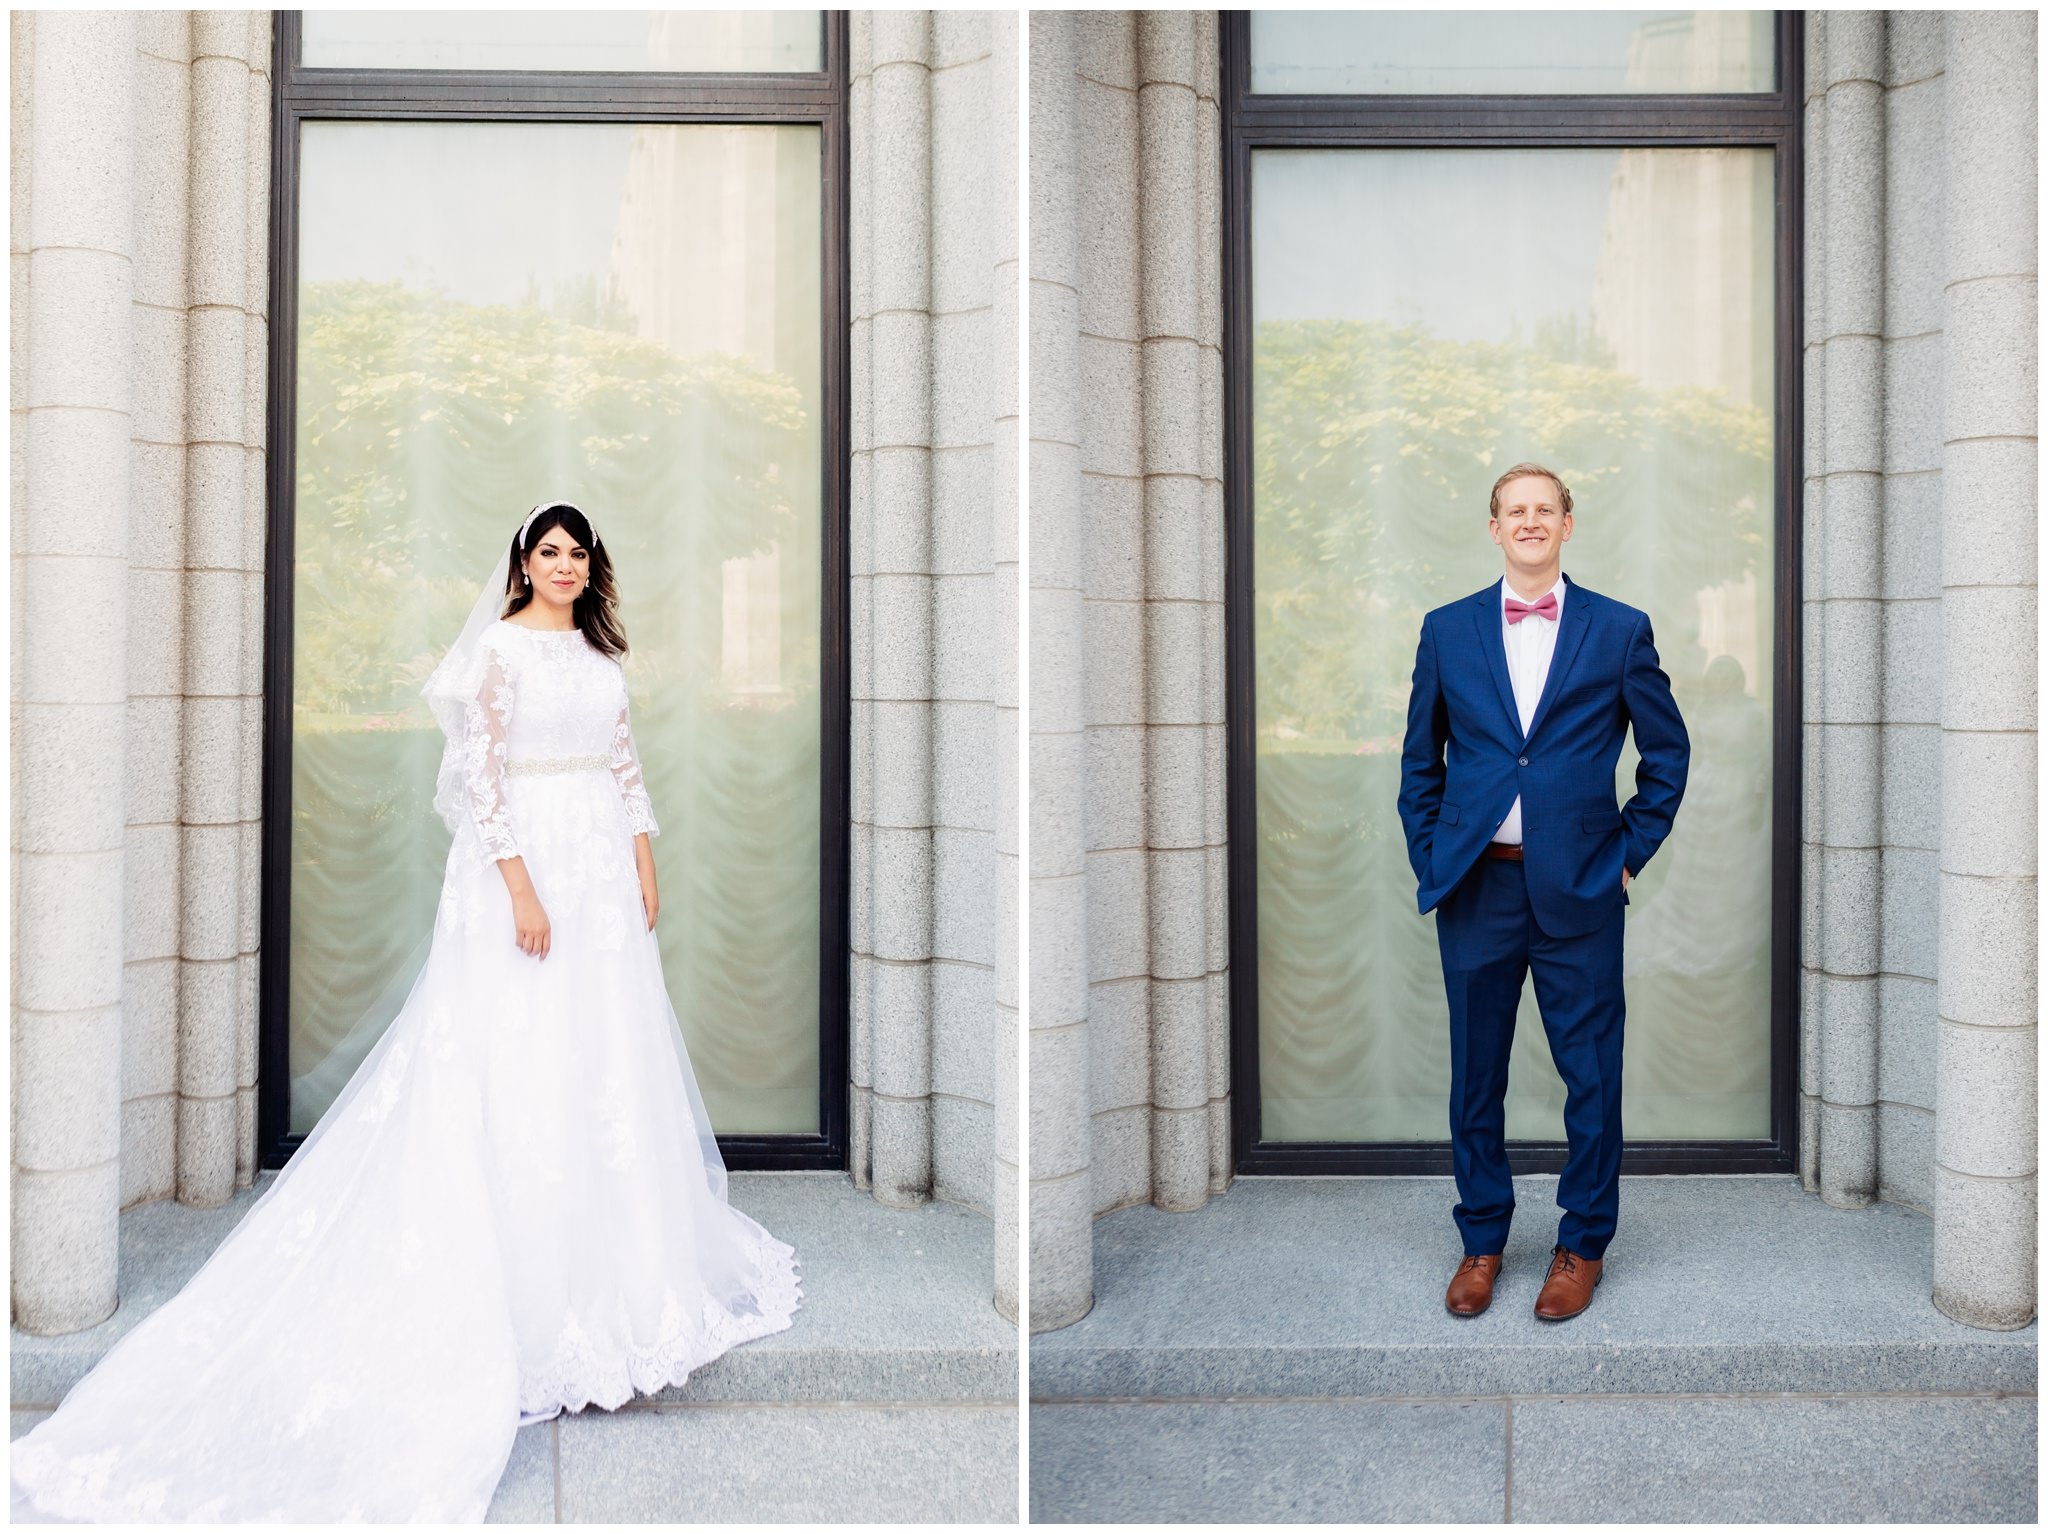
column 615, row 279
column 1425, row 287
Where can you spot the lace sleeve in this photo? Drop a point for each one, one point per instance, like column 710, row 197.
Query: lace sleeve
column 625, row 764
column 485, row 721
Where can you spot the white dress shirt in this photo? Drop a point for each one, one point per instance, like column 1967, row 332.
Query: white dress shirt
column 1530, row 644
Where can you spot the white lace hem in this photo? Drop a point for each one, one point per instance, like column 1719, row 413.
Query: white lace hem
column 579, row 1375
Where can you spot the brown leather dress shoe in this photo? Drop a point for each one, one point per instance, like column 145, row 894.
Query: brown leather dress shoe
column 1569, row 1288
column 1471, row 1288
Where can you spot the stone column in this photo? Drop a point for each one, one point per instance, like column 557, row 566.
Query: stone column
column 219, row 776
column 156, row 611
column 933, row 373
column 255, row 200
column 892, row 607
column 1004, row 170
column 1179, row 324
column 72, row 265
column 1061, row 1211
column 195, row 590
column 1130, row 1061
column 1986, row 1093
column 1843, row 611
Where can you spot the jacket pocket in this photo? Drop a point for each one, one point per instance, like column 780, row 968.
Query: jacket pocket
column 1600, row 821
column 1446, row 814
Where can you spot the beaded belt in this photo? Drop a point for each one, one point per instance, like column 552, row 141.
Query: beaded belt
column 522, row 765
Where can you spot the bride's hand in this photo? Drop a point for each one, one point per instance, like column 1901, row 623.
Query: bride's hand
column 530, row 922
column 643, row 858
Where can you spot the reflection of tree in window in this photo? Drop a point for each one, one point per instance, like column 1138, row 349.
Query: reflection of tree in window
column 404, row 396
column 1374, row 449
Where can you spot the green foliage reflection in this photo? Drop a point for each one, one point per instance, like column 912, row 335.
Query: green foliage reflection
column 427, row 427
column 1374, row 449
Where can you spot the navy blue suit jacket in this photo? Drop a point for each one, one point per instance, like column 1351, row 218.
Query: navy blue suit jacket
column 1465, row 757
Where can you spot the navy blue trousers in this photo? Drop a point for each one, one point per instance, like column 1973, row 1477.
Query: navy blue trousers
column 1489, row 940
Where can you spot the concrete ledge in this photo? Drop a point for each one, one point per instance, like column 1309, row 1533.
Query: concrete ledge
column 896, row 1303
column 1332, row 1288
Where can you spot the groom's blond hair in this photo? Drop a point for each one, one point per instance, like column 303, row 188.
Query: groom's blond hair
column 1536, row 470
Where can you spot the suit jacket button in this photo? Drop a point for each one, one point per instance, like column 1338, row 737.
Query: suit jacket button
column 1522, row 761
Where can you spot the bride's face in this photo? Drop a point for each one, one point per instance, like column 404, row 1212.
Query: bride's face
column 559, row 568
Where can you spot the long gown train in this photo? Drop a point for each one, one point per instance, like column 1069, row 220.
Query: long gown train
column 514, row 1205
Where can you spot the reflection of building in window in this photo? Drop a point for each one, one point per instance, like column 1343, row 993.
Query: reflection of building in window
column 715, row 252
column 684, row 40
column 1679, row 292
column 1732, row 624
column 750, row 647
column 1700, row 51
column 699, row 253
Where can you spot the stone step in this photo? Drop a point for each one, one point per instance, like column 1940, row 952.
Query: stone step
column 896, row 1303
column 839, row 1463
column 835, row 1462
column 1580, row 1460
column 1332, row 1288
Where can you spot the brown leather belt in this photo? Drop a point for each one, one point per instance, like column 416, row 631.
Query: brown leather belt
column 1508, row 851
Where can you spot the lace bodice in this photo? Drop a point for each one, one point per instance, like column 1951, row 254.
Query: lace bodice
column 547, row 700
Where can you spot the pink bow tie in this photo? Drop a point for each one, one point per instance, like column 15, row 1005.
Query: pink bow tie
column 1543, row 607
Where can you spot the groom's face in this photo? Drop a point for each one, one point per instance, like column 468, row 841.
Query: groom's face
column 1532, row 526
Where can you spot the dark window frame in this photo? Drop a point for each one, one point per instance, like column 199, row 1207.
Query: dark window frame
column 818, row 98
column 1258, row 121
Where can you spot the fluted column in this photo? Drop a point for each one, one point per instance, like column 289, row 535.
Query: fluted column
column 1986, row 1186
column 1061, row 1210
column 156, row 606
column 1006, row 385
column 1130, row 1061
column 893, row 607
column 73, row 274
column 219, row 776
column 255, row 439
column 1843, row 611
column 931, row 535
column 1179, row 325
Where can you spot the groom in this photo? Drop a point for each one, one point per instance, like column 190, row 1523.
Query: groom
column 1522, row 692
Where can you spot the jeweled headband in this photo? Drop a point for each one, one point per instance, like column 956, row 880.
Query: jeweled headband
column 550, row 506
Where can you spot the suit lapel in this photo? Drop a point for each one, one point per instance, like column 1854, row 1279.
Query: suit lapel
column 1570, row 635
column 1493, row 645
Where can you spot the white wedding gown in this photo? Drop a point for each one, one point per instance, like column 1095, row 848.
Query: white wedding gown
column 513, row 1206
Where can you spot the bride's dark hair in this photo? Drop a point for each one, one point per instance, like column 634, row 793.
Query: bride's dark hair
column 596, row 610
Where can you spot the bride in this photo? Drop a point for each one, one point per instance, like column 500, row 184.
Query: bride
column 515, row 1207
